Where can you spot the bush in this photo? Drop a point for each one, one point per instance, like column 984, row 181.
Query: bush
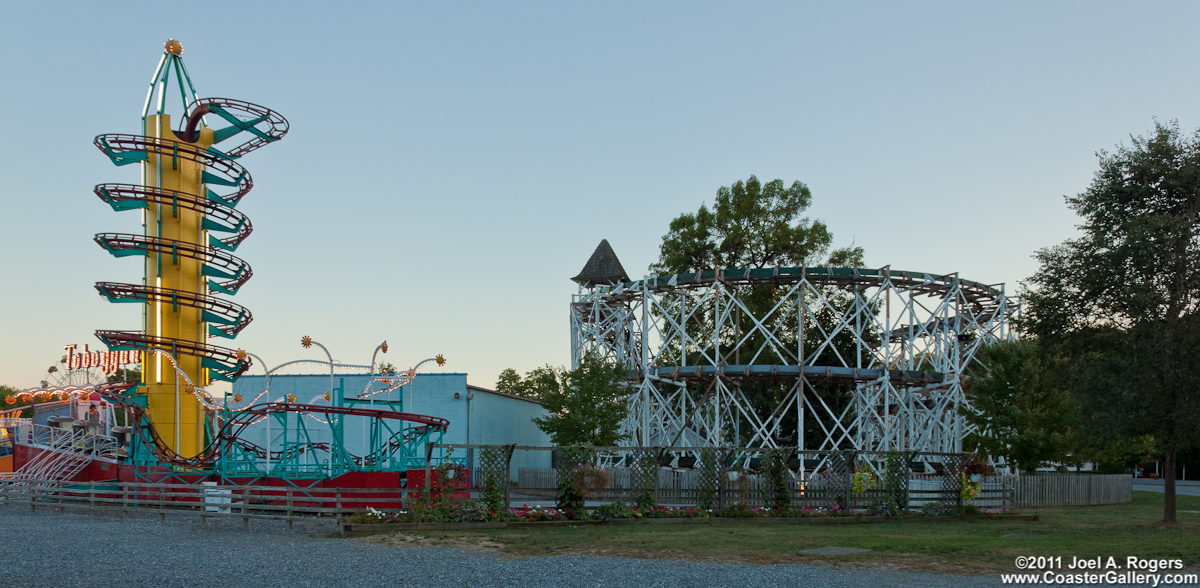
column 473, row 511
column 736, row 510
column 614, row 510
column 588, row 480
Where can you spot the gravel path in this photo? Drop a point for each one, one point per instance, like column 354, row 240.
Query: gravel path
column 66, row 550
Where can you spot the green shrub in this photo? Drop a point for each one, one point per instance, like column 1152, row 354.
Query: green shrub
column 736, row 510
column 614, row 510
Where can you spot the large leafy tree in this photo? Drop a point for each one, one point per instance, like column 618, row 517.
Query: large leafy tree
column 754, row 225
column 1021, row 408
column 1123, row 299
column 586, row 405
column 532, row 386
column 750, row 224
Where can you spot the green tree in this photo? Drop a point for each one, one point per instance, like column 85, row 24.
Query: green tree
column 1123, row 300
column 125, row 374
column 751, row 224
column 508, row 382
column 586, row 405
column 5, row 392
column 1022, row 411
column 755, row 225
column 535, row 382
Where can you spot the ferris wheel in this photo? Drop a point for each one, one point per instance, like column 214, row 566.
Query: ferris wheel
column 60, row 375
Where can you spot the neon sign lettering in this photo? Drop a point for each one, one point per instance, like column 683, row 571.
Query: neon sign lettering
column 108, row 361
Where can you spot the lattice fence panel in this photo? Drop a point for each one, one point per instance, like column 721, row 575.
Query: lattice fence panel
column 776, row 491
column 492, row 476
column 894, row 481
column 708, row 485
column 838, row 479
column 643, row 472
column 952, row 469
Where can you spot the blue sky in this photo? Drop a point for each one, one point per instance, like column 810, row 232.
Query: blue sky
column 451, row 165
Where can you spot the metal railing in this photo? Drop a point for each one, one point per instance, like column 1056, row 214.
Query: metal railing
column 65, row 452
column 58, row 439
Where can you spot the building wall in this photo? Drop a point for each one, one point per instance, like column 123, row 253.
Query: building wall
column 476, row 415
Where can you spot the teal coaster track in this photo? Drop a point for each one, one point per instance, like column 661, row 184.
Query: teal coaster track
column 226, row 272
column 397, row 438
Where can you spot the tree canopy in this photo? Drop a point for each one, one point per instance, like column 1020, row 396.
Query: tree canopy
column 535, row 382
column 1122, row 300
column 754, row 225
column 586, row 405
column 5, row 392
column 1022, row 411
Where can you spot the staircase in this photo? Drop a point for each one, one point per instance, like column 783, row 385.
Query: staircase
column 64, row 455
column 53, row 465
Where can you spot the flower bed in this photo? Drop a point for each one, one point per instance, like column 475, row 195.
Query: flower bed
column 473, row 511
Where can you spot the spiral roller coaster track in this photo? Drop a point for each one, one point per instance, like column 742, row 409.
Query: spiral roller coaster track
column 227, row 272
column 188, row 197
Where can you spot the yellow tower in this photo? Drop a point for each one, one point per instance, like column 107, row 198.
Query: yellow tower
column 171, row 405
column 191, row 228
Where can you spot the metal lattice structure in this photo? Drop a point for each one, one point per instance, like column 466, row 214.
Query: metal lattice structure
column 897, row 341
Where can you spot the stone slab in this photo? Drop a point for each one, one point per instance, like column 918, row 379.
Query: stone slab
column 835, row 550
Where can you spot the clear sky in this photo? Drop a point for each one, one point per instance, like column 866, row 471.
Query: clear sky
column 451, row 165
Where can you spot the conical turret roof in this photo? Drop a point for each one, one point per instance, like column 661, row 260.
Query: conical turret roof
column 602, row 268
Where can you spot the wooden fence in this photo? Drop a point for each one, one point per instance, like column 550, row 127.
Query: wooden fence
column 246, row 502
column 1032, row 490
column 290, row 503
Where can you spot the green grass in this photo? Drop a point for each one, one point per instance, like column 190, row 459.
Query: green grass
column 957, row 546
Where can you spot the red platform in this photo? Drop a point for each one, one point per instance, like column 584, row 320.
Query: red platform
column 307, row 491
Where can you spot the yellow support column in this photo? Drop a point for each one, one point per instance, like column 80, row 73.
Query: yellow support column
column 181, row 426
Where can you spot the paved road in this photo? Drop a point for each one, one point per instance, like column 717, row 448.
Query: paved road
column 1182, row 487
column 46, row 549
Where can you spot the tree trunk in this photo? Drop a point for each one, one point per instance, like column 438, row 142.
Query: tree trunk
column 1169, row 487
